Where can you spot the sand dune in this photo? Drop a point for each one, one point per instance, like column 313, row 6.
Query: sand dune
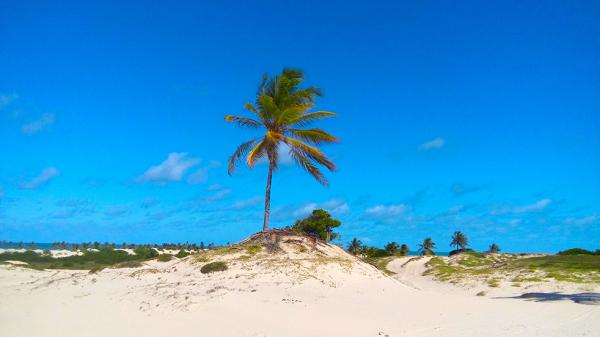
column 301, row 290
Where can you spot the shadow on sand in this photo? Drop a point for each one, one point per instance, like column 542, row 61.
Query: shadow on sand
column 582, row 298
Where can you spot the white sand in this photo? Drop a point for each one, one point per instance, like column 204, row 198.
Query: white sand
column 294, row 293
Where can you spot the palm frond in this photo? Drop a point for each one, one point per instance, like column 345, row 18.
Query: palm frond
column 310, row 152
column 308, row 166
column 243, row 121
column 314, row 136
column 239, row 153
column 257, row 152
column 308, row 118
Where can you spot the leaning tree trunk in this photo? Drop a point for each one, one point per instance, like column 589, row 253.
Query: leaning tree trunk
column 268, row 198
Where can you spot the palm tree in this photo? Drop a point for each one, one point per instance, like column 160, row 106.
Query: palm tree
column 404, row 250
column 392, row 248
column 459, row 239
column 355, row 246
column 494, row 248
column 426, row 248
column 282, row 109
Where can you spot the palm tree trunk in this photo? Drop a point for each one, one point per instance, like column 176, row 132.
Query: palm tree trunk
column 268, row 198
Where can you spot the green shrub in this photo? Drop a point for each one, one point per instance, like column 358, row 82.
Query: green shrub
column 213, row 267
column 164, row 257
column 576, row 251
column 145, row 252
column 182, row 253
column 129, row 264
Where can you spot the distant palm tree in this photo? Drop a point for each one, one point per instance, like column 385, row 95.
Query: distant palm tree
column 494, row 248
column 404, row 250
column 355, row 246
column 282, row 109
column 427, row 247
column 392, row 248
column 459, row 239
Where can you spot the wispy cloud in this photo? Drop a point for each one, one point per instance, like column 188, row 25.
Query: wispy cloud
column 43, row 178
column 150, row 202
column 459, row 189
column 214, row 187
column 386, row 212
column 198, row 177
column 334, row 206
column 6, row 99
column 219, row 195
column 456, row 209
column 38, row 125
column 115, row 211
column 245, row 203
column 172, row 169
column 436, row 143
column 583, row 221
column 1, row 192
column 536, row 207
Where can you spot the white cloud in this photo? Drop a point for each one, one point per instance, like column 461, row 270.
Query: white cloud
column 172, row 169
column 334, row 206
column 45, row 176
column 219, row 195
column 150, row 202
column 583, row 221
column 536, row 207
column 386, row 211
column 214, row 187
column 38, row 125
column 436, row 143
column 240, row 204
column 198, row 177
column 6, row 99
column 456, row 209
column 115, row 211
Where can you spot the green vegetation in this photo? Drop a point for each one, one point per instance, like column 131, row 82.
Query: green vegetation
column 281, row 110
column 494, row 249
column 213, row 267
column 427, row 247
column 579, row 251
column 319, row 224
column 459, row 240
column 164, row 258
column 491, row 268
column 90, row 260
column 354, row 246
column 182, row 253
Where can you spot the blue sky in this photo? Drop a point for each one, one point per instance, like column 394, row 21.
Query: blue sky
column 480, row 117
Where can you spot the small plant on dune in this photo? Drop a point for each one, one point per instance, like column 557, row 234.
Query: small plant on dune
column 164, row 257
column 145, row 252
column 181, row 254
column 281, row 110
column 494, row 249
column 213, row 267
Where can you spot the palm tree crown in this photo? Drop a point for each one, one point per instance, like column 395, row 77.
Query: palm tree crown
column 281, row 110
column 354, row 246
column 459, row 239
column 426, row 248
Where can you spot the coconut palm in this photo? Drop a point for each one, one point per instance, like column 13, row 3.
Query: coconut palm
column 459, row 239
column 281, row 110
column 392, row 248
column 494, row 248
column 426, row 248
column 355, row 246
column 404, row 250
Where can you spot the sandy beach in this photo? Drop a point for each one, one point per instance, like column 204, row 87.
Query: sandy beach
column 303, row 290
